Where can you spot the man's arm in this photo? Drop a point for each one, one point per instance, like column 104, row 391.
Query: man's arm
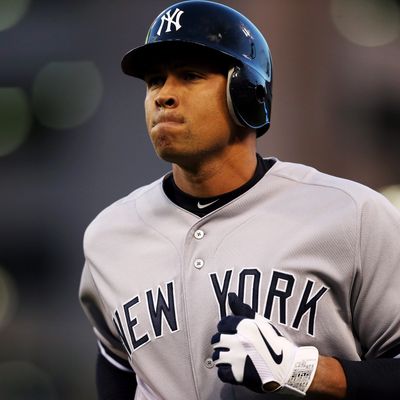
column 329, row 380
column 114, row 383
column 115, row 379
column 368, row 379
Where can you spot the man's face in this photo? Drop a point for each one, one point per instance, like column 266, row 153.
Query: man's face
column 187, row 115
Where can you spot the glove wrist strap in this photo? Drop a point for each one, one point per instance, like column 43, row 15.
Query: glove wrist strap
column 302, row 373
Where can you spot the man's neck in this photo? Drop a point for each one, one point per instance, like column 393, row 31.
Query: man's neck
column 216, row 176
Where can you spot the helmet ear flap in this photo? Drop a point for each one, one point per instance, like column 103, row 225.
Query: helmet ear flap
column 249, row 98
column 231, row 107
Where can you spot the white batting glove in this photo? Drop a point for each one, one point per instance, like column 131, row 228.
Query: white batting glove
column 250, row 351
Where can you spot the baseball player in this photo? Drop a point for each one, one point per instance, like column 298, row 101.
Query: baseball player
column 236, row 276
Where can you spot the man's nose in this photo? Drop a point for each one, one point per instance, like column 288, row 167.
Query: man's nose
column 167, row 96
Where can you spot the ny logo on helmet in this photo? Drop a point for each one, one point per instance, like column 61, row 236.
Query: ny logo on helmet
column 171, row 19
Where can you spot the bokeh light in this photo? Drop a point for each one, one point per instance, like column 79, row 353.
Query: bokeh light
column 8, row 298
column 15, row 119
column 66, row 94
column 22, row 380
column 367, row 22
column 392, row 193
column 11, row 12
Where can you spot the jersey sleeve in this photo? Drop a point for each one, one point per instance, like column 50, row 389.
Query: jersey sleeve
column 375, row 295
column 109, row 343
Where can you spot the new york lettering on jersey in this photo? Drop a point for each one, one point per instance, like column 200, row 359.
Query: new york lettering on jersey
column 160, row 314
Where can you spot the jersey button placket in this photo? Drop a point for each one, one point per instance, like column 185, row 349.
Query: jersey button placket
column 198, row 235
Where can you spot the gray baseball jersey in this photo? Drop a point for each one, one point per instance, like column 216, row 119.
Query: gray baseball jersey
column 317, row 255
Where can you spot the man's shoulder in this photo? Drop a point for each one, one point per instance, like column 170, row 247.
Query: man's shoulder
column 122, row 211
column 321, row 183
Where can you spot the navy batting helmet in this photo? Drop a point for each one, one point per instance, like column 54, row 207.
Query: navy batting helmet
column 223, row 30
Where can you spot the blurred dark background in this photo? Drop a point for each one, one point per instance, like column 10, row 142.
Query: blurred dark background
column 73, row 140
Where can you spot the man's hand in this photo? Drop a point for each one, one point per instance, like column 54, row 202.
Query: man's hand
column 250, row 351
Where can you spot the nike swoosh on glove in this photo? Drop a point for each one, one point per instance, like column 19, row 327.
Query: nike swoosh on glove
column 250, row 351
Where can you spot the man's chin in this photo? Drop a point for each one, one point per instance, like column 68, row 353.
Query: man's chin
column 173, row 156
column 168, row 154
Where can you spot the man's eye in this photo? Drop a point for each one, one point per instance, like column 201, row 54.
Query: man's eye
column 154, row 81
column 191, row 76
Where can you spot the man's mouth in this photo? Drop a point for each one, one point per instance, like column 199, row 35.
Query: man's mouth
column 168, row 119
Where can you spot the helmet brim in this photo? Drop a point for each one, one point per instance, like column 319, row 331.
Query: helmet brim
column 140, row 60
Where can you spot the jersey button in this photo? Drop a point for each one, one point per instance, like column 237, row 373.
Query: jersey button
column 199, row 234
column 198, row 263
column 209, row 363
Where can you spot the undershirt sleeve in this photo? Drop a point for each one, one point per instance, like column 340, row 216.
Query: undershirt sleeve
column 113, row 383
column 372, row 379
